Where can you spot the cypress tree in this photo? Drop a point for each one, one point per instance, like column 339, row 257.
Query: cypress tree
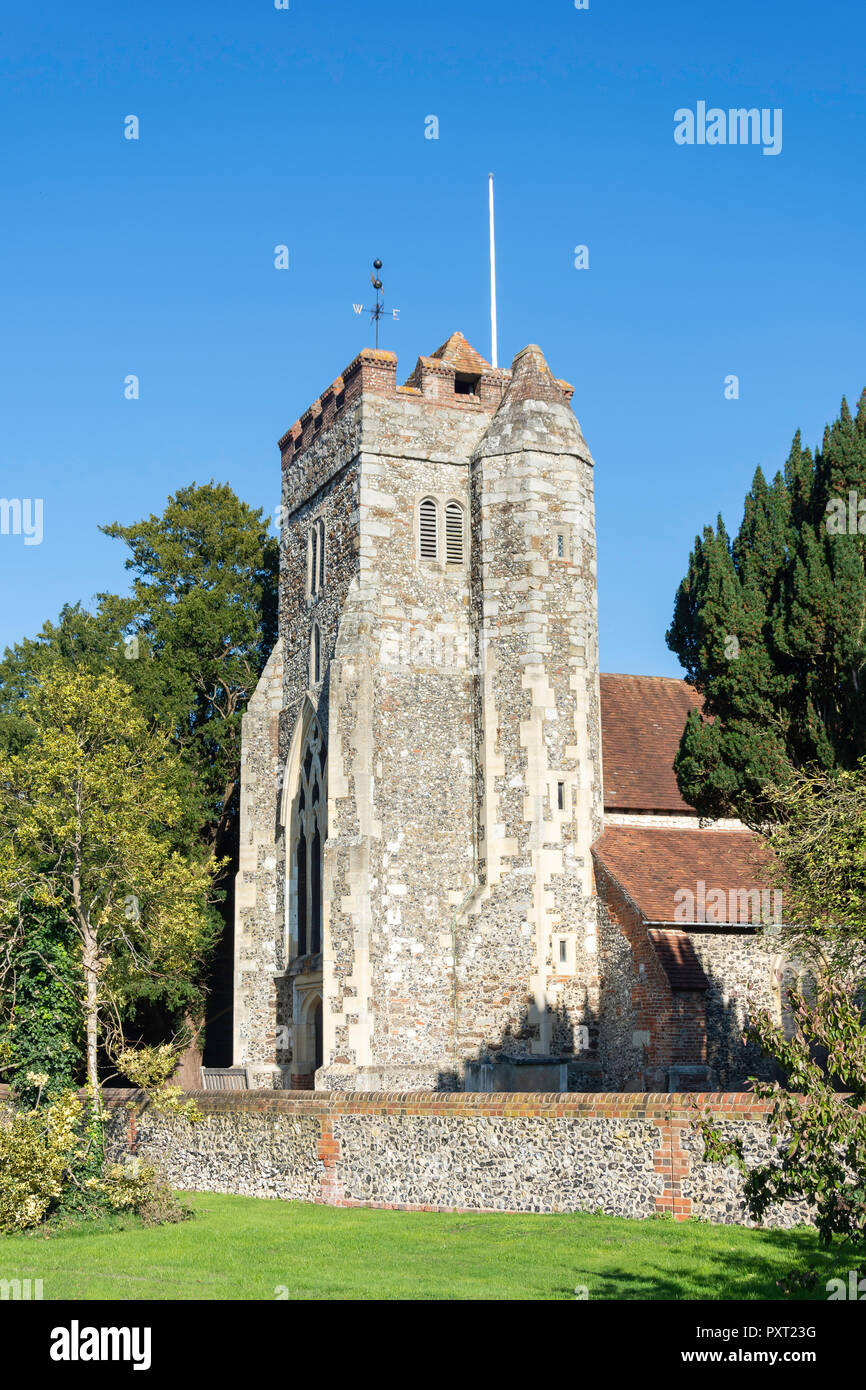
column 771, row 628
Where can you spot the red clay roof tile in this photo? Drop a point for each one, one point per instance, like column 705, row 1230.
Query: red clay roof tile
column 642, row 720
column 654, row 865
column 461, row 355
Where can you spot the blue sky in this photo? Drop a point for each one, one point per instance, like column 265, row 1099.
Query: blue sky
column 306, row 127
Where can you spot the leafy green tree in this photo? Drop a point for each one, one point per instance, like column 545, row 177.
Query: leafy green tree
column 190, row 643
column 817, row 1120
column 771, row 628
column 815, row 827
column 204, row 609
column 80, row 639
column 40, row 1007
column 86, row 815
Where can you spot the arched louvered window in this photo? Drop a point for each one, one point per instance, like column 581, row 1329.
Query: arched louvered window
column 428, row 530
column 315, row 655
column 454, row 533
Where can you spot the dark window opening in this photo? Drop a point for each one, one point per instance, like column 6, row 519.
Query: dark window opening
column 339, row 402
column 302, row 894
column 465, row 384
column 560, row 795
column 316, row 654
column 563, row 952
column 316, row 894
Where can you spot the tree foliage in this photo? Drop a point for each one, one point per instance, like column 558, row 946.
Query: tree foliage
column 815, row 826
column 188, row 644
column 203, row 610
column 770, row 626
column 817, row 1120
column 41, row 1016
column 86, row 814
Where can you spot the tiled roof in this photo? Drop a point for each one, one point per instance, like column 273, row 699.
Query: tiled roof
column 461, row 355
column 654, row 865
column 642, row 721
column 678, row 958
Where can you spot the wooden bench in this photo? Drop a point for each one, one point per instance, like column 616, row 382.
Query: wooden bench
column 224, row 1079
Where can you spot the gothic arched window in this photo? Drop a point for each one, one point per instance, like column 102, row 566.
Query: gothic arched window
column 309, row 834
column 316, row 559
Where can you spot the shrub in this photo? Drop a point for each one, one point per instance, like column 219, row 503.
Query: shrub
column 817, row 1120
column 52, row 1160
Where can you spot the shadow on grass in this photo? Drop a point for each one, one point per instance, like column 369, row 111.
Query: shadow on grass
column 703, row 1262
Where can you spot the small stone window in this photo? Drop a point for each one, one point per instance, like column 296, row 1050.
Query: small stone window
column 454, row 533
column 560, row 796
column 465, row 384
column 561, row 547
column 563, row 955
column 428, row 534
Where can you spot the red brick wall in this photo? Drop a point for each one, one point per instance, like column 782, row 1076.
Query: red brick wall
column 675, row 1019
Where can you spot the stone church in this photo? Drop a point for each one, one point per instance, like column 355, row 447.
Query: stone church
column 465, row 862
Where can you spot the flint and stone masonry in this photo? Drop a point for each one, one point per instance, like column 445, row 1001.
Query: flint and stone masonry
column 422, row 782
column 624, row 1155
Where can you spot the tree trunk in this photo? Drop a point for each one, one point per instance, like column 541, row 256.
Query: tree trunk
column 91, row 1007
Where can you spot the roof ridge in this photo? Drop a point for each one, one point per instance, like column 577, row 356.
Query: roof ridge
column 632, row 676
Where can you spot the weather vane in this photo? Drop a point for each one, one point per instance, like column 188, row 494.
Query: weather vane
column 379, row 311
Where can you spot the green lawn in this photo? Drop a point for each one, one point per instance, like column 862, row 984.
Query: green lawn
column 245, row 1248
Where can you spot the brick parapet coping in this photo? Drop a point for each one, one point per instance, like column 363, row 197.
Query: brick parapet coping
column 584, row 1104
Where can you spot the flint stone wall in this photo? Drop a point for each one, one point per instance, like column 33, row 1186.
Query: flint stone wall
column 624, row 1154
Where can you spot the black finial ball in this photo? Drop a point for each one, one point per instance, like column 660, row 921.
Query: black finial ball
column 377, row 265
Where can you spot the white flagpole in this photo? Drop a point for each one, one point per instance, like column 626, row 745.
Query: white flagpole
column 493, row 350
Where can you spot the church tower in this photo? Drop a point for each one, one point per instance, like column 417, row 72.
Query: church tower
column 421, row 777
